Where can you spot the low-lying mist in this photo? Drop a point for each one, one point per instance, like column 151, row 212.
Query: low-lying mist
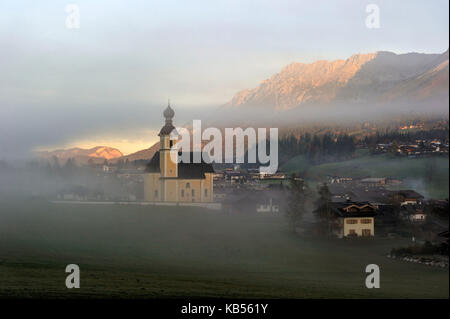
column 327, row 115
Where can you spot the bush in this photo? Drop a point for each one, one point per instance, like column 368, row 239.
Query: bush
column 426, row 249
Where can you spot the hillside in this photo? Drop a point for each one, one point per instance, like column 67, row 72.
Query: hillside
column 145, row 154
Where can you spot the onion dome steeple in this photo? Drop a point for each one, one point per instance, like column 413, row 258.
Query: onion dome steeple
column 168, row 113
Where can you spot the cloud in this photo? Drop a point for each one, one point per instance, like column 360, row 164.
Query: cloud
column 111, row 77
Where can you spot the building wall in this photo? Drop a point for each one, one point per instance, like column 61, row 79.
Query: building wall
column 178, row 190
column 189, row 190
column 152, row 187
column 169, row 190
column 357, row 225
column 208, row 184
column 168, row 167
column 196, row 190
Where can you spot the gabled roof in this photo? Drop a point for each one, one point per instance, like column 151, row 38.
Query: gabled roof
column 444, row 234
column 339, row 209
column 358, row 206
column 408, row 193
column 185, row 170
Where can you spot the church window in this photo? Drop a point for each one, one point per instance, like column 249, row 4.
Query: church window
column 188, row 185
column 193, row 192
column 156, row 193
column 206, row 192
column 182, row 193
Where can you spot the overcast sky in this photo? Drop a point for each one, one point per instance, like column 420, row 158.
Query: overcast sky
column 107, row 82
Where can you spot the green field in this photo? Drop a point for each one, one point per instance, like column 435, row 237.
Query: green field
column 148, row 252
column 415, row 172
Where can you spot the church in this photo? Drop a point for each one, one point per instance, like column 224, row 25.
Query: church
column 165, row 180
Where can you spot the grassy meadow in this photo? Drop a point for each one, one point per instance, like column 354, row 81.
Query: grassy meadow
column 127, row 251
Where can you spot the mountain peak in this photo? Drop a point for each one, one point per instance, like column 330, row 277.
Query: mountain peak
column 97, row 153
column 361, row 76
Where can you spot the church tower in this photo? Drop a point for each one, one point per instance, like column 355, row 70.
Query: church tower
column 166, row 180
column 168, row 166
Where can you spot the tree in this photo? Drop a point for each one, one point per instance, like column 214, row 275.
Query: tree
column 70, row 166
column 56, row 162
column 120, row 164
column 394, row 148
column 296, row 201
column 323, row 209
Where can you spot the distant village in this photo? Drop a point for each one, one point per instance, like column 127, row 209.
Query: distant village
column 416, row 149
column 247, row 191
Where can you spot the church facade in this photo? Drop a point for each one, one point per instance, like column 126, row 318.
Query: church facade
column 166, row 180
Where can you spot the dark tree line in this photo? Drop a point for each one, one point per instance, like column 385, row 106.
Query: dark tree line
column 317, row 148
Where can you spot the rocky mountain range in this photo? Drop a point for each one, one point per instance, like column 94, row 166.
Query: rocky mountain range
column 97, row 154
column 379, row 77
column 145, row 154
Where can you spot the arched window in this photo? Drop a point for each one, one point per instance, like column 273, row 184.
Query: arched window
column 193, row 192
column 182, row 193
column 156, row 193
column 188, row 185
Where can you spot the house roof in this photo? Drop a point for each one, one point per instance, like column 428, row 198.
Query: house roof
column 339, row 209
column 444, row 234
column 185, row 170
column 408, row 194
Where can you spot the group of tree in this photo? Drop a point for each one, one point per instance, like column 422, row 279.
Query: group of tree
column 322, row 210
column 317, row 148
column 296, row 202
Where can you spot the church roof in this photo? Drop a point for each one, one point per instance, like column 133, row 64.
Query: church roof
column 168, row 113
column 166, row 129
column 185, row 170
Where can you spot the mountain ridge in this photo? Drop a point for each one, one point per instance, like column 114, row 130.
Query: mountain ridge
column 361, row 77
column 81, row 155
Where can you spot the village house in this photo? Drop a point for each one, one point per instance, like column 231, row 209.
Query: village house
column 276, row 176
column 339, row 179
column 250, row 201
column 109, row 168
column 268, row 205
column 414, row 213
column 418, row 217
column 354, row 219
column 406, row 197
column 373, row 181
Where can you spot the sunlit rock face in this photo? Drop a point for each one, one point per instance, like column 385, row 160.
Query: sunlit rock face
column 376, row 77
column 98, row 154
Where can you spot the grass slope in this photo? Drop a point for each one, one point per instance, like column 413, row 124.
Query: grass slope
column 145, row 252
